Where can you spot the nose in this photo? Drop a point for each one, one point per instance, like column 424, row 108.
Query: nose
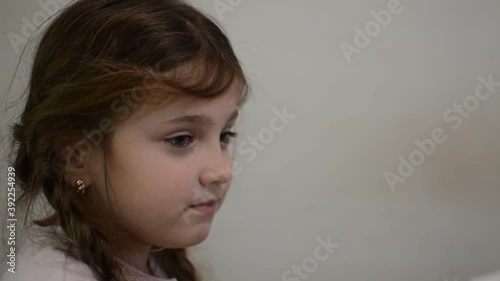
column 218, row 170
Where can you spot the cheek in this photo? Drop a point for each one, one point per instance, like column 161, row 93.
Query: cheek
column 147, row 178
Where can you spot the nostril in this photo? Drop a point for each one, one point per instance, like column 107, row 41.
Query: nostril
column 220, row 177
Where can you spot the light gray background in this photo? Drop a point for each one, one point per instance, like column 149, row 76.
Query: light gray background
column 323, row 175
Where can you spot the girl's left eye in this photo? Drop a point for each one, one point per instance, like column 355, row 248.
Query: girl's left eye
column 183, row 141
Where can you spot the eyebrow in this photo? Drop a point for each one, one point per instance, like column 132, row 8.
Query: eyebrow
column 198, row 119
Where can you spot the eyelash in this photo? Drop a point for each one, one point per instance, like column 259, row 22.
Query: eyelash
column 228, row 134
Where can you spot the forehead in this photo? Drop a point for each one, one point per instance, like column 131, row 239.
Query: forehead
column 224, row 104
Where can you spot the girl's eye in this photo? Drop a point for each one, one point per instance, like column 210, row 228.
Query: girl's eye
column 226, row 136
column 180, row 141
column 183, row 141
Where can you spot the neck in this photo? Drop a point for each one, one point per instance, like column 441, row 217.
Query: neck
column 134, row 254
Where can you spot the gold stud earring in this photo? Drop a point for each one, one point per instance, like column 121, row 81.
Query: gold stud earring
column 80, row 185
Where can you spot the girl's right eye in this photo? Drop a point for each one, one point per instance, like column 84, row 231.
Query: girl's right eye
column 181, row 141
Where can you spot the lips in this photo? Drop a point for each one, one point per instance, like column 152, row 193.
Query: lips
column 206, row 203
column 206, row 208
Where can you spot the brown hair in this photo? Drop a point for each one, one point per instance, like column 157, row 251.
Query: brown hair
column 96, row 61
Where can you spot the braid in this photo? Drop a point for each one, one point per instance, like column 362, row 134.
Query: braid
column 82, row 241
column 177, row 264
column 88, row 244
column 77, row 216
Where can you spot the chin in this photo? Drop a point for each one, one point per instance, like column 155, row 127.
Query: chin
column 199, row 233
column 191, row 236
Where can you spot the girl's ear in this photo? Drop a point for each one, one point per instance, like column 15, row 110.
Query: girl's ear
column 73, row 160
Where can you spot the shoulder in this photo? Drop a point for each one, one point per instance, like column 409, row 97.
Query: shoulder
column 38, row 260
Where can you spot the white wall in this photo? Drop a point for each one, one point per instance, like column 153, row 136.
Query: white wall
column 323, row 174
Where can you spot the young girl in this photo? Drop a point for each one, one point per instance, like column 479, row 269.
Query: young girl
column 125, row 131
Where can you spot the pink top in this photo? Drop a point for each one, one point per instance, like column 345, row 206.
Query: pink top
column 42, row 261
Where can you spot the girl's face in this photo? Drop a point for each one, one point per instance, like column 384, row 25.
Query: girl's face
column 158, row 167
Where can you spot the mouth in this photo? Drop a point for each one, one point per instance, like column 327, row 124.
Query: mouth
column 206, row 207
